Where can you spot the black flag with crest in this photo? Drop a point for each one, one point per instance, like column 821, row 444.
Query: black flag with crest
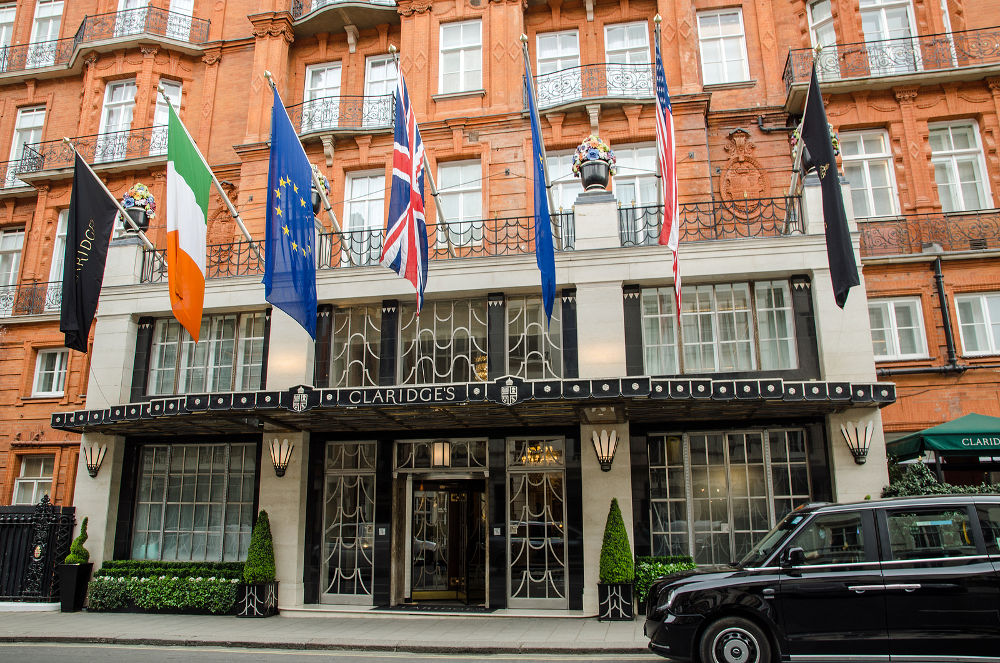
column 818, row 154
column 88, row 232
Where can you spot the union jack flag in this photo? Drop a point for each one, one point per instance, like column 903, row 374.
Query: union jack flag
column 405, row 247
column 668, row 169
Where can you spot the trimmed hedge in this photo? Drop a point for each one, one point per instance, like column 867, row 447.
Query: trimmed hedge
column 164, row 594
column 77, row 553
column 650, row 569
column 260, row 556
column 141, row 568
column 917, row 479
column 616, row 554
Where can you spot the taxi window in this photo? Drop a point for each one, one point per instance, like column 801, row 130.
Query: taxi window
column 833, row 538
column 924, row 534
column 989, row 519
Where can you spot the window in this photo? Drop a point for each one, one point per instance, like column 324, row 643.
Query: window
column 445, row 343
column 723, row 329
column 179, row 19
column 565, row 189
column 42, row 50
column 833, row 538
column 461, row 57
column 822, row 34
column 897, row 329
column 364, row 217
column 321, row 98
column 927, row 534
column 626, row 51
column 50, row 373
column 161, row 117
column 559, row 74
column 380, row 86
column 890, row 24
column 723, row 47
column 636, row 186
column 194, row 502
column 868, row 166
column 11, row 241
column 131, row 17
column 35, row 479
column 8, row 10
column 58, row 255
column 116, row 122
column 227, row 357
column 979, row 323
column 957, row 156
column 534, row 345
column 27, row 130
column 355, row 346
column 460, row 194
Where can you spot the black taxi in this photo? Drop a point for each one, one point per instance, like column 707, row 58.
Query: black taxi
column 906, row 579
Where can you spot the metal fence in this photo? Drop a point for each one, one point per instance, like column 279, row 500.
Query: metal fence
column 589, row 81
column 9, row 171
column 30, row 299
column 221, row 261
column 33, row 540
column 96, row 149
column 343, row 112
column 915, row 233
column 713, row 220
column 143, row 21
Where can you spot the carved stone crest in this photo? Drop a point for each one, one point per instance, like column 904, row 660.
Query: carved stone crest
column 743, row 177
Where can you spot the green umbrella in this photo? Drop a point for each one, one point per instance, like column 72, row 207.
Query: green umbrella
column 971, row 435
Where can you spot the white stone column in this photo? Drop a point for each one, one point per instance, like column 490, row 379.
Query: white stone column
column 97, row 497
column 290, row 353
column 851, row 481
column 595, row 217
column 600, row 329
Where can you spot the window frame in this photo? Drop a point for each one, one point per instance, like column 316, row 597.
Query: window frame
column 982, row 299
column 57, row 386
column 465, row 52
column 721, row 39
column 866, row 161
column 462, row 230
column 20, row 479
column 15, row 262
column 951, row 158
column 893, row 342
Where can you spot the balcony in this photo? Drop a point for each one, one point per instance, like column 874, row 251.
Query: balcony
column 37, row 55
column 924, row 60
column 145, row 21
column 30, row 299
column 713, row 220
column 594, row 82
column 917, row 233
column 343, row 114
column 9, row 180
column 221, row 261
column 314, row 16
column 115, row 146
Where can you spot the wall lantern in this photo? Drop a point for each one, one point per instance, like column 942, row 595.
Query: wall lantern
column 281, row 454
column 94, row 457
column 605, row 445
column 441, row 453
column 858, row 436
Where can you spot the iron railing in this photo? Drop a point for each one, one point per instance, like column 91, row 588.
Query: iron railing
column 8, row 174
column 713, row 220
column 143, row 21
column 915, row 233
column 30, row 299
column 589, row 81
column 343, row 112
column 221, row 261
column 37, row 55
column 97, row 148
column 894, row 57
column 33, row 540
column 302, row 7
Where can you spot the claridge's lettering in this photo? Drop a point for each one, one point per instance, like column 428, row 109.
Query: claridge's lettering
column 86, row 246
column 399, row 396
column 981, row 441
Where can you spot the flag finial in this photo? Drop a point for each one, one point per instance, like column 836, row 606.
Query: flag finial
column 657, row 19
column 524, row 38
column 392, row 48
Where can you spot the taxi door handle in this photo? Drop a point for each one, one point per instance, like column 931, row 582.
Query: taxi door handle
column 861, row 589
column 906, row 587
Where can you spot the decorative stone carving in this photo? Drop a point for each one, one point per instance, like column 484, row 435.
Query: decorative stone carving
column 742, row 177
column 415, row 7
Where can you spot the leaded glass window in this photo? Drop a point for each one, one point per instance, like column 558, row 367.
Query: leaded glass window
column 354, row 356
column 445, row 343
column 349, row 520
column 533, row 352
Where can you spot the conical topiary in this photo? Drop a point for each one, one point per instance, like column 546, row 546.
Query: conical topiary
column 616, row 554
column 259, row 566
column 77, row 553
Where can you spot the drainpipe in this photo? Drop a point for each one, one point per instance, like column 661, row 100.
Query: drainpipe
column 949, row 337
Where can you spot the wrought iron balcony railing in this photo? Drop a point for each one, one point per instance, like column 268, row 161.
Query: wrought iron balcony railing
column 895, row 57
column 30, row 299
column 143, row 21
column 713, row 220
column 302, row 7
column 37, row 55
column 98, row 148
column 8, row 174
column 221, row 261
column 915, row 233
column 343, row 113
column 594, row 81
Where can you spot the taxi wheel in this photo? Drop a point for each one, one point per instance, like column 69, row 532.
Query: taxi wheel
column 734, row 640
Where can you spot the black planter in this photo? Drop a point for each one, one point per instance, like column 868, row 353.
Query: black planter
column 257, row 599
column 139, row 217
column 616, row 603
column 595, row 175
column 73, row 579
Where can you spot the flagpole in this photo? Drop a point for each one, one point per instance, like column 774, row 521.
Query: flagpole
column 215, row 180
column 125, row 215
column 427, row 172
column 556, row 232
column 800, row 144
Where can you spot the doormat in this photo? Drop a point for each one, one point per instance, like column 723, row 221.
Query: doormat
column 435, row 607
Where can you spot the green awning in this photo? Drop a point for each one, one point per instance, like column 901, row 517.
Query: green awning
column 971, row 435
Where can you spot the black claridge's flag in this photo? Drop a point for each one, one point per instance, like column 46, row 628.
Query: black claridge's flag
column 88, row 232
column 819, row 154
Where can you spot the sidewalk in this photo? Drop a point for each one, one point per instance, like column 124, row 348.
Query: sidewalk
column 487, row 634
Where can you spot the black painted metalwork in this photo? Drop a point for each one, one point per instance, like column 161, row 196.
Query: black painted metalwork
column 30, row 299
column 895, row 57
column 240, row 258
column 33, row 540
column 594, row 81
column 302, row 7
column 97, row 148
column 143, row 21
column 9, row 171
column 37, row 55
column 913, row 233
column 570, row 339
column 344, row 113
column 711, row 220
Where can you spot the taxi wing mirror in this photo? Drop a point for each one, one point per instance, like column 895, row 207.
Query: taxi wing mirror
column 794, row 556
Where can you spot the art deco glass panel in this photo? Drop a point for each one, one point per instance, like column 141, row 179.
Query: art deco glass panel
column 349, row 519
column 532, row 352
column 444, row 343
column 354, row 360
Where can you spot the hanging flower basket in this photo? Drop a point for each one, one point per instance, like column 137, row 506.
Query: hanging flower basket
column 140, row 204
column 594, row 162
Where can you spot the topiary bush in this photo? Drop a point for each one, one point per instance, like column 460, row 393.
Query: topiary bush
column 616, row 554
column 259, row 566
column 917, row 479
column 650, row 569
column 77, row 553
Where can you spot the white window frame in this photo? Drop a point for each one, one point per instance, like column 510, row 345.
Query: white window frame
column 866, row 162
column 379, row 90
column 951, row 158
column 36, row 481
column 116, row 121
column 470, row 57
column 161, row 118
column 634, row 80
column 364, row 193
column 889, row 309
column 53, row 297
column 634, row 162
column 27, row 130
column 557, row 67
column 722, row 39
column 321, row 100
column 180, row 19
column 464, row 229
column 986, row 324
column 14, row 239
column 879, row 9
column 50, row 382
column 8, row 12
column 45, row 27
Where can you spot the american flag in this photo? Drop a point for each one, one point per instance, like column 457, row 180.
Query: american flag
column 668, row 153
column 405, row 247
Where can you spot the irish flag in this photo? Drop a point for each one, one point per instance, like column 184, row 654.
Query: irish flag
column 188, row 183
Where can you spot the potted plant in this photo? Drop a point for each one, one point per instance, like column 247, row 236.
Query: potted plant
column 594, row 163
column 140, row 204
column 74, row 573
column 617, row 571
column 258, row 594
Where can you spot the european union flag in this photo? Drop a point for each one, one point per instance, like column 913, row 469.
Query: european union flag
column 544, row 256
column 289, row 256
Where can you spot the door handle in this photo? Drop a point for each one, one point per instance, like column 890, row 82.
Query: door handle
column 906, row 587
column 861, row 589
